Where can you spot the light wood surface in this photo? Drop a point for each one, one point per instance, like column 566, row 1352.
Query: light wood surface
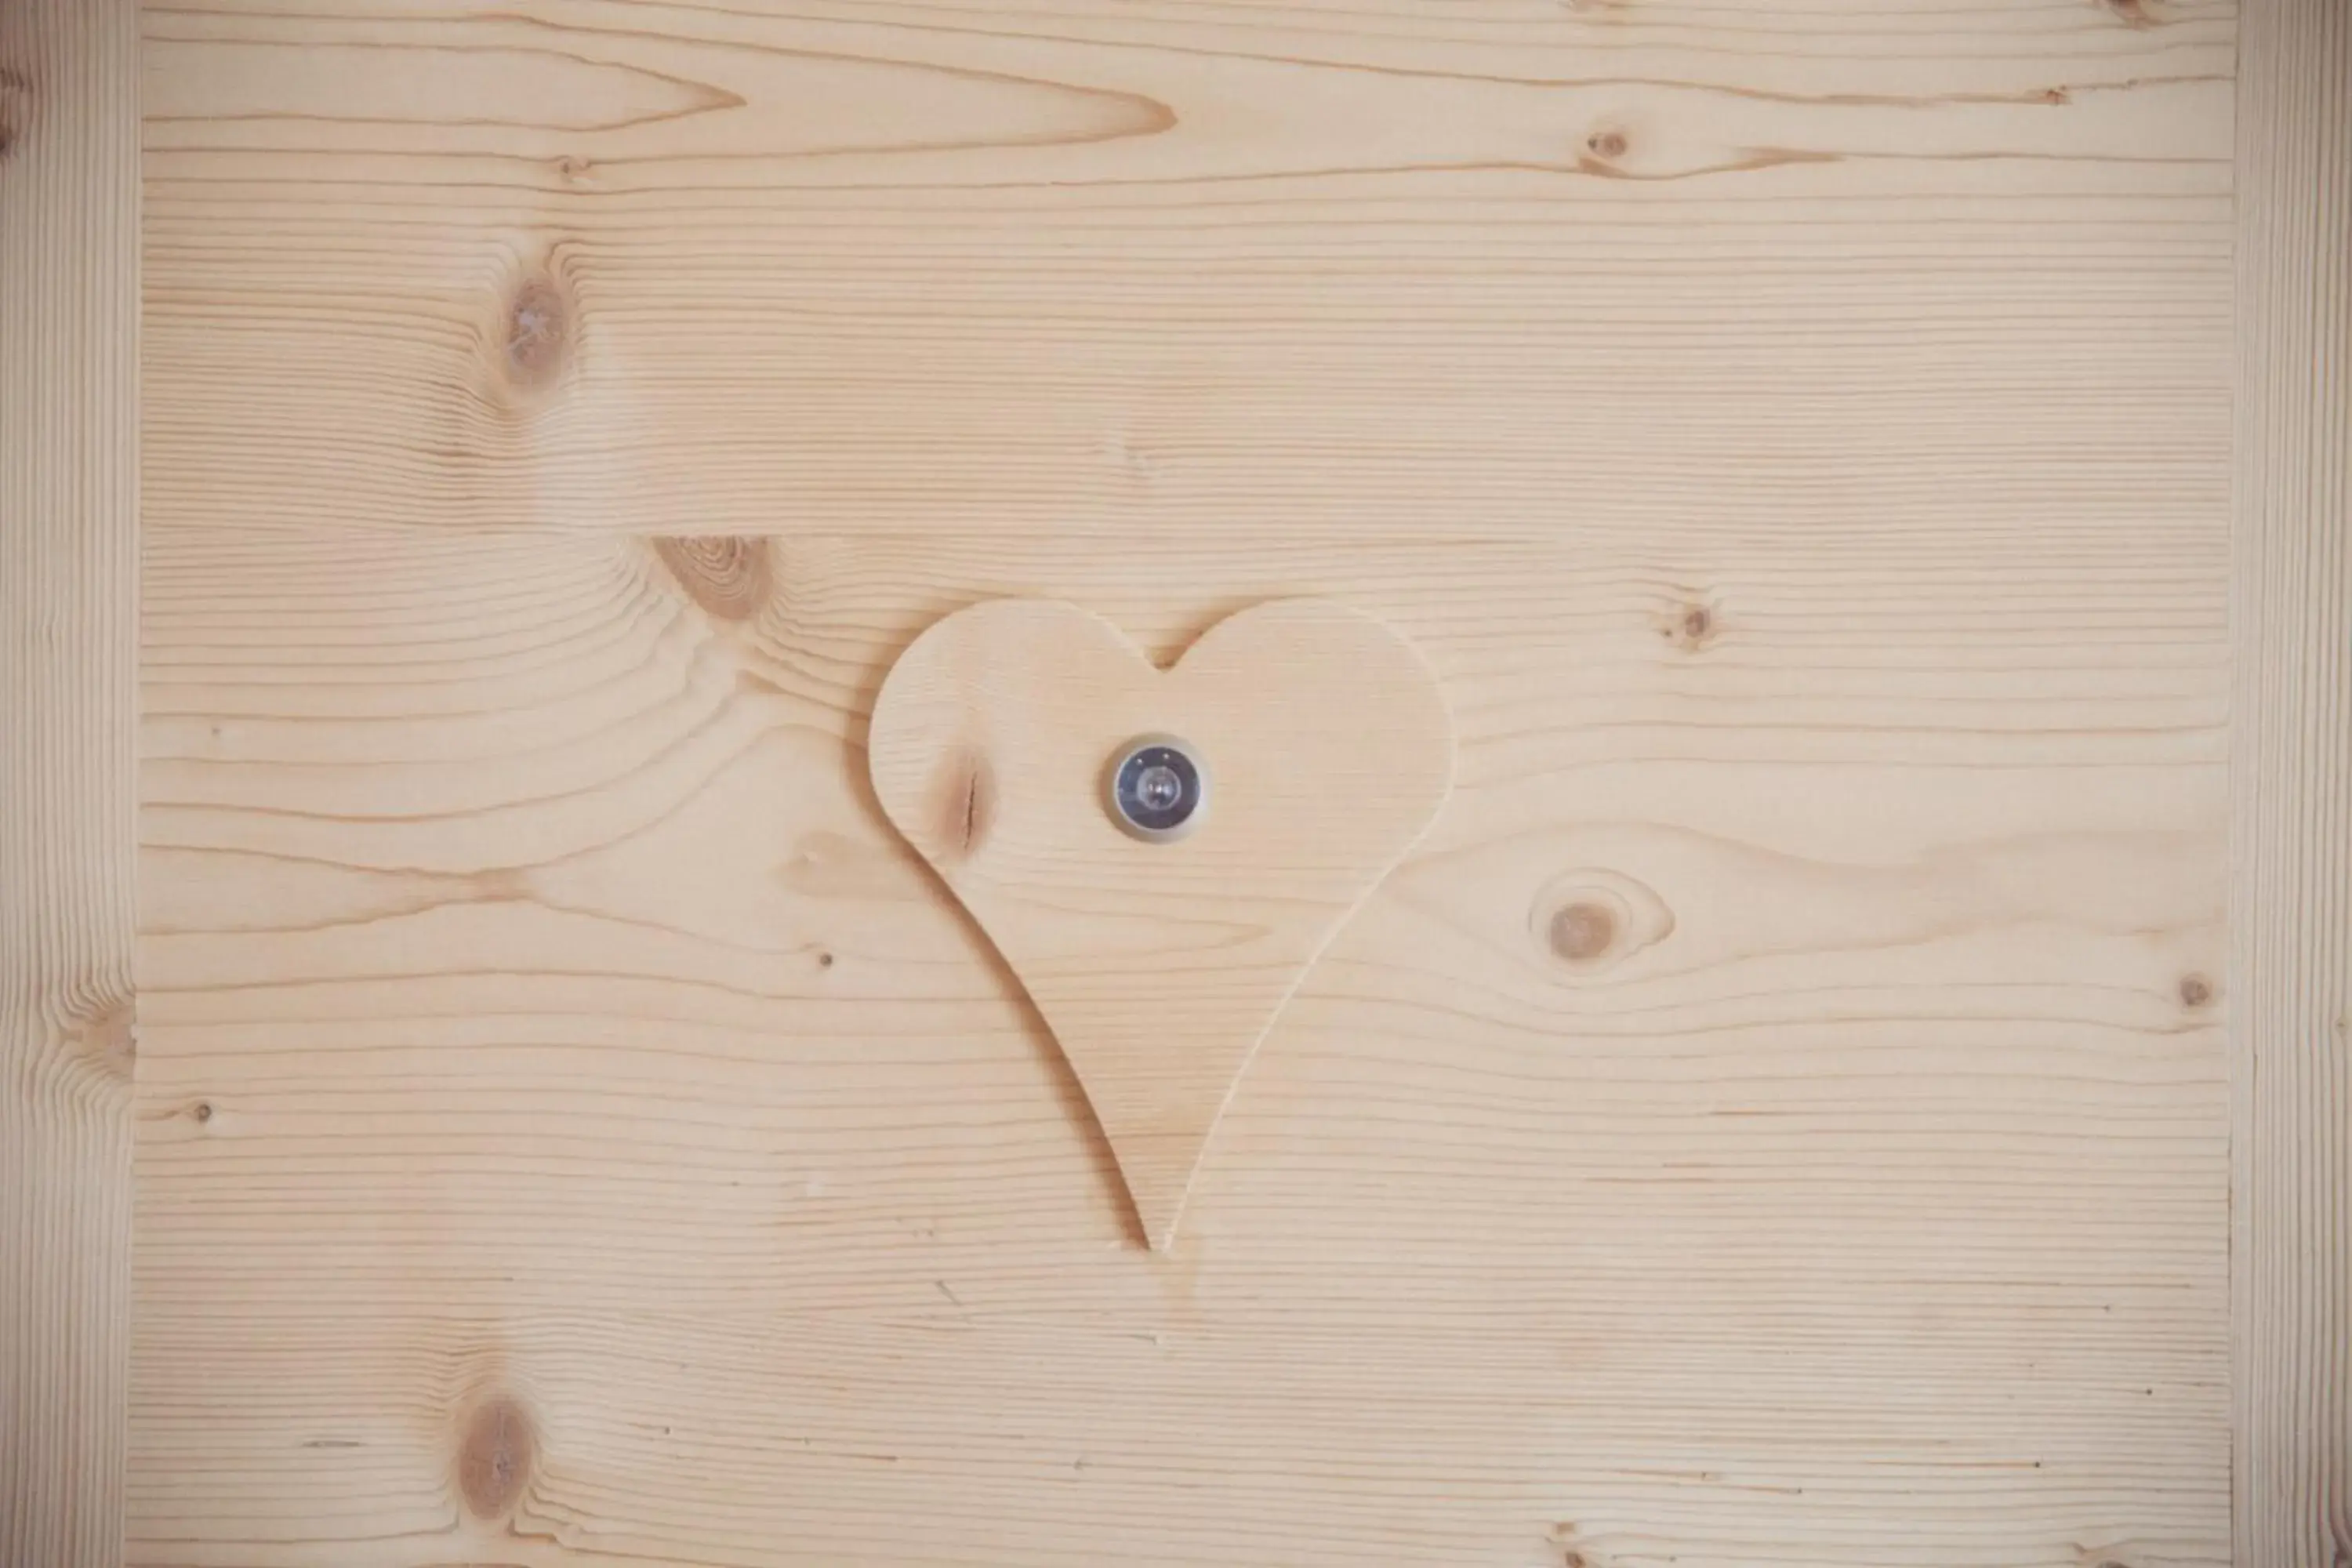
column 1345, row 267
column 2292, row 815
column 1159, row 966
column 68, row 564
column 1779, row 1112
column 539, row 1014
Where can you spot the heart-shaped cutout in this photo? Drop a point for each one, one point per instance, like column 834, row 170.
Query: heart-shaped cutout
column 1327, row 748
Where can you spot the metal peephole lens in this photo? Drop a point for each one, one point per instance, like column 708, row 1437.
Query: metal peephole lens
column 1157, row 788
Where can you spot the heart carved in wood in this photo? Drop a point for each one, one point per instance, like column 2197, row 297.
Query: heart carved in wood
column 1160, row 966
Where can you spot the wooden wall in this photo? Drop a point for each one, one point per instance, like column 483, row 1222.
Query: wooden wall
column 572, row 1129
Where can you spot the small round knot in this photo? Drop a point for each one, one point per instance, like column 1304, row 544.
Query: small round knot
column 538, row 332
column 1594, row 919
column 1692, row 625
column 1582, row 932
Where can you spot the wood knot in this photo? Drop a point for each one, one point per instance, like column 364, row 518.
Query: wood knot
column 1582, row 931
column 16, row 109
column 729, row 576
column 2131, row 13
column 1593, row 920
column 964, row 807
column 202, row 1111
column 1570, row 1544
column 107, row 1037
column 1692, row 625
column 538, row 331
column 495, row 1459
column 1610, row 144
column 2196, row 990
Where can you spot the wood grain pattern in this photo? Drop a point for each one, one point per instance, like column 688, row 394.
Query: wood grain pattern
column 2292, row 850
column 1781, row 1111
column 1160, row 966
column 539, row 1011
column 68, row 564
column 1348, row 268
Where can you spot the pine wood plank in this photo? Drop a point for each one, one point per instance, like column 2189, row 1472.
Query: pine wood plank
column 539, row 1017
column 1781, row 1113
column 68, row 562
column 1347, row 268
column 2291, row 886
